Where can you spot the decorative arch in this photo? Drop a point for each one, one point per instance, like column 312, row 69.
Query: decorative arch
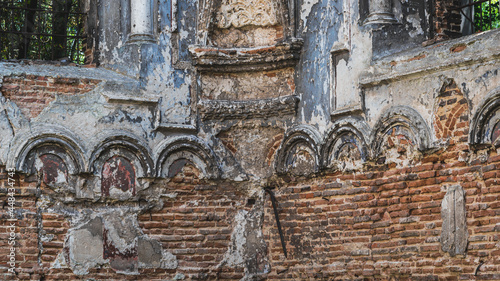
column 119, row 161
column 299, row 151
column 173, row 154
column 345, row 141
column 406, row 124
column 126, row 145
column 52, row 148
column 485, row 126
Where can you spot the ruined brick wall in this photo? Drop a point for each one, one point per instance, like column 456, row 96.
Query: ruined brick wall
column 386, row 224
column 447, row 18
column 33, row 93
column 162, row 162
column 195, row 225
column 383, row 223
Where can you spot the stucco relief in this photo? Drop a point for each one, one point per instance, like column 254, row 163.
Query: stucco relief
column 240, row 13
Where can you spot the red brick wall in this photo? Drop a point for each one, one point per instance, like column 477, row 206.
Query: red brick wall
column 447, row 20
column 33, row 93
column 195, row 226
column 380, row 224
column 26, row 230
column 386, row 223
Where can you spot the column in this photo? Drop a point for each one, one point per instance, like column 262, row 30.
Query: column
column 380, row 12
column 141, row 20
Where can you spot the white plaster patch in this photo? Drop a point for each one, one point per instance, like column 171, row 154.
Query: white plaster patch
column 161, row 82
column 319, row 119
column 84, row 251
column 171, row 195
column 61, row 177
column 414, row 19
column 347, row 166
column 359, row 44
column 236, row 252
column 168, row 260
column 60, row 262
column 123, row 229
column 409, row 160
column 306, row 10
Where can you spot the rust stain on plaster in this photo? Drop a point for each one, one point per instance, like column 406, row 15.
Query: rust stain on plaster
column 260, row 50
column 119, row 173
column 121, row 261
column 419, row 57
column 53, row 168
column 458, row 48
column 496, row 132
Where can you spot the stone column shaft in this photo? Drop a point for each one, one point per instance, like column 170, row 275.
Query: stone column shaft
column 380, row 12
column 141, row 20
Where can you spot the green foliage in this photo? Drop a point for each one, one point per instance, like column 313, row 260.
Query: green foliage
column 27, row 30
column 487, row 15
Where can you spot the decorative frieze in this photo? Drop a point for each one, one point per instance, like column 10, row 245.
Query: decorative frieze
column 240, row 13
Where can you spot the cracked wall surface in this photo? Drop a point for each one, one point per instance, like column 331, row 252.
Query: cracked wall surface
column 256, row 140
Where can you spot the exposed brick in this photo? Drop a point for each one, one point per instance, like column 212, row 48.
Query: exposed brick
column 39, row 91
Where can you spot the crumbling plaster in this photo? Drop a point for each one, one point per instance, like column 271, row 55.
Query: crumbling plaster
column 245, row 125
column 162, row 95
column 416, row 76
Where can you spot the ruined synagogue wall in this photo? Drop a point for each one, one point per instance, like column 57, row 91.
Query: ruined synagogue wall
column 161, row 161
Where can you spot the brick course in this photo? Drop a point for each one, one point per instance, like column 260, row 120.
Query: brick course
column 380, row 224
column 33, row 93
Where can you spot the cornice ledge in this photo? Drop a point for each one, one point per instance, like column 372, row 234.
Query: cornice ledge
column 214, row 59
column 264, row 108
column 420, row 61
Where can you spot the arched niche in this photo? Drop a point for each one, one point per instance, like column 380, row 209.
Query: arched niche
column 131, row 147
column 120, row 161
column 52, row 167
column 45, row 140
column 54, row 153
column 345, row 145
column 175, row 154
column 485, row 125
column 53, row 158
column 402, row 128
column 299, row 151
column 245, row 35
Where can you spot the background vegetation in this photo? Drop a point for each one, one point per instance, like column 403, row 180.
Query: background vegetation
column 41, row 29
column 486, row 15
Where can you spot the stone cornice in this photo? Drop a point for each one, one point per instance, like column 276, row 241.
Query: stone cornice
column 215, row 59
column 225, row 109
column 445, row 55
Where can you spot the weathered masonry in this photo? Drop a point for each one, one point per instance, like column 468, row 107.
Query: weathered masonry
column 251, row 140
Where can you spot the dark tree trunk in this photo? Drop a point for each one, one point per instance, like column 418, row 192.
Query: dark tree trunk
column 60, row 25
column 28, row 28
